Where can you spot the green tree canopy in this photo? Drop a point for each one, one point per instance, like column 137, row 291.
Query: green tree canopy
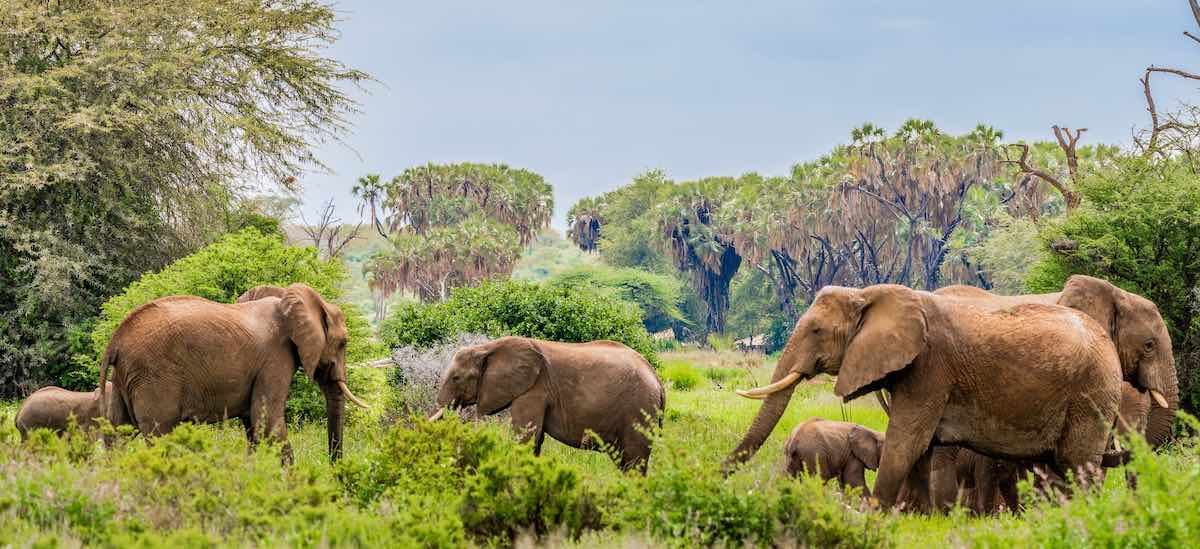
column 456, row 224
column 126, row 131
column 658, row 296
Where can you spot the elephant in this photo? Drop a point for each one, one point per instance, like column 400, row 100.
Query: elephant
column 185, row 358
column 52, row 407
column 1135, row 327
column 1030, row 382
column 833, row 450
column 570, row 391
column 985, row 482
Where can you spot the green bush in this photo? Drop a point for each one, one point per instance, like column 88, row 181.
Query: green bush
column 1139, row 228
column 500, row 308
column 221, row 272
column 657, row 295
column 681, row 375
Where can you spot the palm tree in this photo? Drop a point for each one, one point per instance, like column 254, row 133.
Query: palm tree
column 369, row 191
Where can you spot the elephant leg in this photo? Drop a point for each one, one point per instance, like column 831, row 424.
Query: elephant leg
column 1081, row 448
column 943, row 477
column 909, row 433
column 635, row 451
column 1008, row 490
column 528, row 419
column 855, row 475
column 267, row 419
column 986, row 478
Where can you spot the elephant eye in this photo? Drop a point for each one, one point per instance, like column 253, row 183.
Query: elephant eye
column 1149, row 345
column 816, row 330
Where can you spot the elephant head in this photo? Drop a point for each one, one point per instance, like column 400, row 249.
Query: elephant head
column 861, row 336
column 866, row 446
column 317, row 330
column 490, row 375
column 1142, row 341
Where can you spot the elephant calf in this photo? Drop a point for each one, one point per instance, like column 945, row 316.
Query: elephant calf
column 52, row 408
column 570, row 391
column 833, row 450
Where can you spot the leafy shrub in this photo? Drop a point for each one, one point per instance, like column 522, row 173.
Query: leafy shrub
column 720, row 375
column 1159, row 512
column 500, row 308
column 691, row 505
column 221, row 272
column 514, row 493
column 418, row 373
column 681, row 375
column 666, row 345
column 497, row 487
column 1139, row 228
column 657, row 295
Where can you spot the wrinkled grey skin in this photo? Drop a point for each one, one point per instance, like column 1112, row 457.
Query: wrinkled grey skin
column 52, row 407
column 566, row 390
column 1029, row 382
column 984, row 483
column 1134, row 325
column 184, row 358
column 833, row 450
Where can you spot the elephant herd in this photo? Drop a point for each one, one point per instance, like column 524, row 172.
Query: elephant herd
column 979, row 388
column 982, row 388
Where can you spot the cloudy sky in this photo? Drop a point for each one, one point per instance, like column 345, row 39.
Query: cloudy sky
column 589, row 96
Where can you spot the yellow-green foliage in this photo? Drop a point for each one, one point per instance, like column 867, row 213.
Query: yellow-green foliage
column 680, row 375
column 453, row 483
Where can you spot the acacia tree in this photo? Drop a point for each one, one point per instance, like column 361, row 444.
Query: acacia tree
column 125, row 128
column 457, row 224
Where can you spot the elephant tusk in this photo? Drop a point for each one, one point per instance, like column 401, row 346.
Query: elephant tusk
column 349, row 395
column 1158, row 397
column 760, row 393
column 438, row 415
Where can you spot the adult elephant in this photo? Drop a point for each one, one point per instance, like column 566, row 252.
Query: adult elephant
column 1035, row 381
column 985, row 482
column 574, row 392
column 184, row 358
column 1133, row 323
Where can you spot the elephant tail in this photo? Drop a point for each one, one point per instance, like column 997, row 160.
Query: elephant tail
column 662, row 402
column 110, row 357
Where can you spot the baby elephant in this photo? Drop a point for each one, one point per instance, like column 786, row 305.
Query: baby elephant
column 833, row 450
column 51, row 408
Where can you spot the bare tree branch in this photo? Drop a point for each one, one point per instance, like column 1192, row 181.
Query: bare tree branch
column 325, row 233
column 1070, row 196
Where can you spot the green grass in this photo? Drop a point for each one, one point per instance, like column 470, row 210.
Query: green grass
column 202, row 487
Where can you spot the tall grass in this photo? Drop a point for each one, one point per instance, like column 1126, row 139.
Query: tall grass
column 453, row 483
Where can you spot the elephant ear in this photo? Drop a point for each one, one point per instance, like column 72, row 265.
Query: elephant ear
column 259, row 292
column 889, row 336
column 304, row 319
column 866, row 445
column 510, row 367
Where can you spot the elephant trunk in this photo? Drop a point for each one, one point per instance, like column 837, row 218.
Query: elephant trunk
column 1161, row 421
column 768, row 416
column 335, row 408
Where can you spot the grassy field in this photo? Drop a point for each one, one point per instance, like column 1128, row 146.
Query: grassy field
column 408, row 482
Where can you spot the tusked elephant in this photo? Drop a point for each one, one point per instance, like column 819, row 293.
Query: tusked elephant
column 566, row 390
column 1135, row 327
column 1031, row 382
column 184, row 358
column 52, row 407
column 833, row 450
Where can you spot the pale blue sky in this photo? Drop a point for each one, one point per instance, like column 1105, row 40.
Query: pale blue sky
column 589, row 96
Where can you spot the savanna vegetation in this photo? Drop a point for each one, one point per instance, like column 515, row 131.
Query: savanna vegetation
column 130, row 134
